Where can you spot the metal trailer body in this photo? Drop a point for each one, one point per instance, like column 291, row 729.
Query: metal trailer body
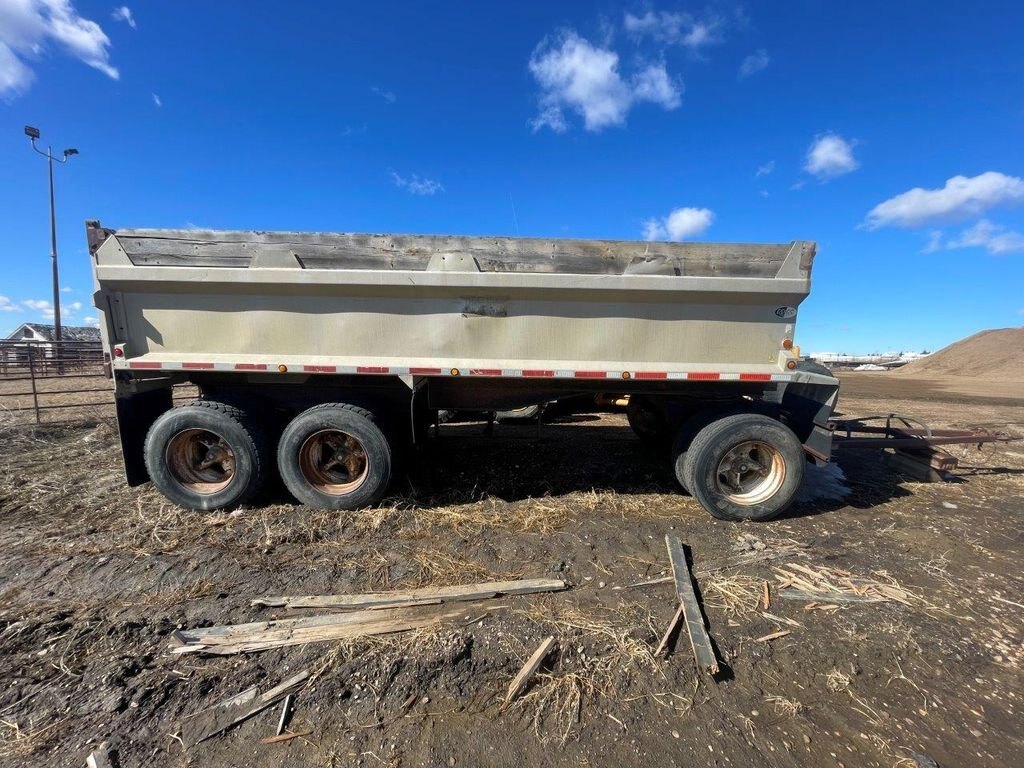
column 397, row 322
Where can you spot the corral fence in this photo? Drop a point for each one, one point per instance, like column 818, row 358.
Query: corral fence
column 57, row 381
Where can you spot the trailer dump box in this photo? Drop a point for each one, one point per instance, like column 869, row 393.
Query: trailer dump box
column 305, row 319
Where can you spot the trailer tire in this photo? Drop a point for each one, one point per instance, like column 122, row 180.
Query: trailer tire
column 334, row 456
column 743, row 467
column 206, row 455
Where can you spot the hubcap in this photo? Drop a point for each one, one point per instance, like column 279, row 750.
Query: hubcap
column 333, row 462
column 201, row 461
column 750, row 473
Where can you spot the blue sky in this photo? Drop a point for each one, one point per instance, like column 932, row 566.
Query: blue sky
column 759, row 122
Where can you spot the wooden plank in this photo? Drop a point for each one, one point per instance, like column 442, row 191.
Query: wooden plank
column 526, row 672
column 319, row 250
column 223, row 719
column 248, row 638
column 663, row 644
column 413, row 597
column 703, row 652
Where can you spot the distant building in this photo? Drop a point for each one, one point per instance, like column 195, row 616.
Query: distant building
column 41, row 332
column 36, row 339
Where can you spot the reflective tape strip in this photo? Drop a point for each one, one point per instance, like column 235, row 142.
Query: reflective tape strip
column 513, row 373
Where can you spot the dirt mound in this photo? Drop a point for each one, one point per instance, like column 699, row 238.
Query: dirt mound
column 997, row 355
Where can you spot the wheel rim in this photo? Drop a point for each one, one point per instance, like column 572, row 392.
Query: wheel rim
column 334, row 462
column 750, row 473
column 201, row 461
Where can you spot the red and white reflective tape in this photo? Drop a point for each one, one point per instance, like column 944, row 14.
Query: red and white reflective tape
column 516, row 373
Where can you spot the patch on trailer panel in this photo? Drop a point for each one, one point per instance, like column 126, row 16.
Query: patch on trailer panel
column 786, row 311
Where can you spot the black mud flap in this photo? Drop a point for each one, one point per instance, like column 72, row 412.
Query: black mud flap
column 135, row 415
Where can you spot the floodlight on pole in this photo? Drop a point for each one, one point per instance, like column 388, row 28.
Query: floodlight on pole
column 33, row 134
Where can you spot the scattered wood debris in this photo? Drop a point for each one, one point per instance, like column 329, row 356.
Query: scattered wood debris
column 261, row 635
column 282, row 737
column 223, row 717
column 776, row 553
column 526, row 672
column 766, row 596
column 101, row 757
column 699, row 640
column 780, row 619
column 413, row 597
column 773, row 636
column 834, row 585
column 663, row 644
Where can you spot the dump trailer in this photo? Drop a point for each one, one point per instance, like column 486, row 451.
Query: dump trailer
column 318, row 356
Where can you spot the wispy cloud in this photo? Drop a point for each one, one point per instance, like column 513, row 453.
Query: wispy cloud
column 994, row 238
column 124, row 13
column 830, row 155
column 157, row 100
column 416, row 184
column 959, row 198
column 92, row 322
column 754, row 63
column 27, row 27
column 6, row 305
column 575, row 75
column 766, row 169
column 45, row 308
column 388, row 96
column 680, row 224
column 676, row 28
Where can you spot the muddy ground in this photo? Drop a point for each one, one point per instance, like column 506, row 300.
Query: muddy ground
column 94, row 577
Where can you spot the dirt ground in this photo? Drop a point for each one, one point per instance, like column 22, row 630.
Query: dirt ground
column 94, row 577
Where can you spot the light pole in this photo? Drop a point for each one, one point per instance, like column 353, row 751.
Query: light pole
column 33, row 134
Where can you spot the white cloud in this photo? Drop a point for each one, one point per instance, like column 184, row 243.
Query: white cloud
column 673, row 28
column 6, row 305
column 66, row 289
column 960, row 198
column 157, row 100
column 993, row 237
column 124, row 13
column 680, row 224
column 653, row 84
column 92, row 322
column 575, row 75
column 754, row 63
column 416, row 184
column 766, row 169
column 829, row 156
column 45, row 308
column 27, row 26
column 388, row 96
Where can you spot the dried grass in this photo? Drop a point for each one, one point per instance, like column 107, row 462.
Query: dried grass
column 558, row 695
column 784, row 706
column 734, row 594
column 19, row 743
column 837, row 681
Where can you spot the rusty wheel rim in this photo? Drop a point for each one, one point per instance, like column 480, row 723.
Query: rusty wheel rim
column 751, row 473
column 334, row 462
column 201, row 461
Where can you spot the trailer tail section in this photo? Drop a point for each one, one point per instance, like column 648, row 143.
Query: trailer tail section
column 336, row 346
